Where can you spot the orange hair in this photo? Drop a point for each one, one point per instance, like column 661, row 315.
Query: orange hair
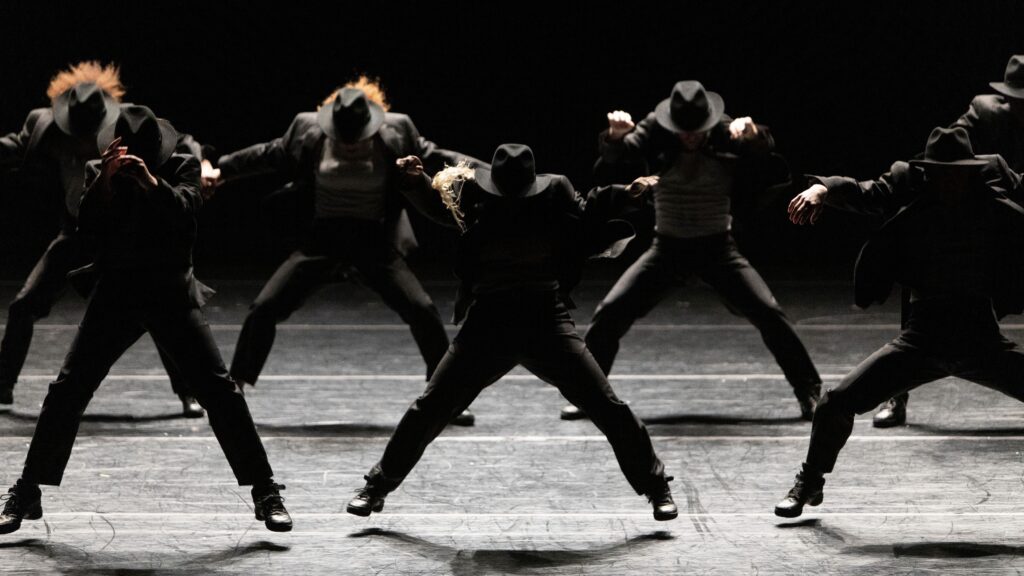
column 106, row 76
column 370, row 86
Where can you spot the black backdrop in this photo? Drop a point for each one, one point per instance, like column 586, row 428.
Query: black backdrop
column 846, row 88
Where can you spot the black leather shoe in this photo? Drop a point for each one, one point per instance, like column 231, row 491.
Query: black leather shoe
column 368, row 499
column 571, row 412
column 660, row 497
column 465, row 418
column 269, row 506
column 892, row 413
column 23, row 503
column 6, row 397
column 808, row 397
column 806, row 491
column 190, row 407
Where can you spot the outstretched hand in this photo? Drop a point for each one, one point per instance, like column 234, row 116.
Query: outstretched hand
column 641, row 185
column 806, row 207
column 620, row 123
column 210, row 179
column 411, row 166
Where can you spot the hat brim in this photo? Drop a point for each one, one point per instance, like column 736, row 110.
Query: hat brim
column 1007, row 90
column 483, row 179
column 62, row 113
column 326, row 122
column 966, row 163
column 662, row 113
column 168, row 140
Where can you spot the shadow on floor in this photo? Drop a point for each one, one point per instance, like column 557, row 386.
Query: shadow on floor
column 945, row 431
column 937, row 550
column 75, row 561
column 718, row 419
column 327, row 429
column 480, row 562
column 101, row 417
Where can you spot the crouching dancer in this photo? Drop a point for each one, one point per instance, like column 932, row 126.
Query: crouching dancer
column 524, row 240
column 140, row 202
column 958, row 247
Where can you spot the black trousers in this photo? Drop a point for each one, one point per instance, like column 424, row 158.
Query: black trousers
column 666, row 265
column 45, row 285
column 114, row 319
column 940, row 339
column 502, row 331
column 380, row 266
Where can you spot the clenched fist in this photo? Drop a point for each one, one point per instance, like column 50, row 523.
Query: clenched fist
column 620, row 123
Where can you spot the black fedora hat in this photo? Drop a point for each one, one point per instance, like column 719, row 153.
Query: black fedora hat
column 690, row 108
column 84, row 109
column 512, row 174
column 949, row 147
column 146, row 136
column 351, row 116
column 1013, row 80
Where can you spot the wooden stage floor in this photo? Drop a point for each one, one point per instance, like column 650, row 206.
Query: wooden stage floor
column 148, row 492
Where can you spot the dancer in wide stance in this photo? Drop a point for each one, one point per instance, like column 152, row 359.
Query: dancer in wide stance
column 699, row 155
column 525, row 238
column 959, row 248
column 140, row 204
column 342, row 159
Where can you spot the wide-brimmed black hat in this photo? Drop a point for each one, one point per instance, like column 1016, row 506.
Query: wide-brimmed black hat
column 690, row 108
column 949, row 147
column 1013, row 79
column 146, row 136
column 351, row 116
column 512, row 174
column 84, row 109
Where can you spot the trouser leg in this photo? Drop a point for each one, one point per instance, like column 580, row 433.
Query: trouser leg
column 179, row 384
column 185, row 336
column 745, row 291
column 403, row 293
column 105, row 333
column 563, row 361
column 295, row 279
column 645, row 283
column 459, row 378
column 42, row 288
column 889, row 371
column 1001, row 369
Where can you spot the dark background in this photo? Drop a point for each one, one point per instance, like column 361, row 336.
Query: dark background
column 846, row 89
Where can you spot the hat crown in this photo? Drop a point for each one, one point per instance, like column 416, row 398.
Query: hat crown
column 513, row 169
column 350, row 113
column 689, row 106
column 947, row 145
column 86, row 108
column 139, row 130
column 1014, row 76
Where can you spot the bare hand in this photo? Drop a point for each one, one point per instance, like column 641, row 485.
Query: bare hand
column 410, row 166
column 806, row 207
column 742, row 129
column 210, row 179
column 620, row 123
column 638, row 187
column 136, row 169
column 110, row 162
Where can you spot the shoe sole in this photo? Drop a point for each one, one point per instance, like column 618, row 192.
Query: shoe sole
column 573, row 416
column 31, row 515
column 278, row 527
column 364, row 512
column 796, row 512
column 460, row 421
column 662, row 517
column 888, row 423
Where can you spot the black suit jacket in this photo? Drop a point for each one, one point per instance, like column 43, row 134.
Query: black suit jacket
column 145, row 238
column 877, row 268
column 759, row 174
column 579, row 229
column 295, row 156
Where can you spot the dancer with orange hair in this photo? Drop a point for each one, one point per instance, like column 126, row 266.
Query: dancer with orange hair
column 342, row 161
column 54, row 144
